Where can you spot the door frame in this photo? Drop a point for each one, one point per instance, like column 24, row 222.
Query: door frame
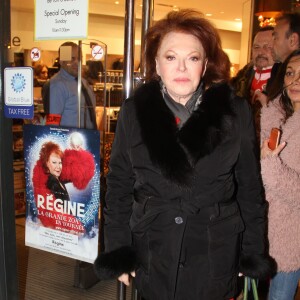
column 8, row 253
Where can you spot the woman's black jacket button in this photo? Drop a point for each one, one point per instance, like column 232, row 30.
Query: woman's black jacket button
column 178, row 220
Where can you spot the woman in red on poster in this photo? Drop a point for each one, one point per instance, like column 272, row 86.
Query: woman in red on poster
column 53, row 169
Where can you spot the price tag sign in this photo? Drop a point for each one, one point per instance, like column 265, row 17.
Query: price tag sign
column 97, row 52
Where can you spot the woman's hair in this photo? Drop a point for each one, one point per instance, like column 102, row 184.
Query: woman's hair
column 38, row 69
column 93, row 70
column 190, row 22
column 47, row 149
column 279, row 87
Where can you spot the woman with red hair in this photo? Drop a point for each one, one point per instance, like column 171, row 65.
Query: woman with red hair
column 53, row 169
column 185, row 211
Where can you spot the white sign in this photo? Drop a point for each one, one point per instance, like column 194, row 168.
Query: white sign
column 61, row 19
column 97, row 52
column 18, row 92
column 35, row 54
column 18, row 86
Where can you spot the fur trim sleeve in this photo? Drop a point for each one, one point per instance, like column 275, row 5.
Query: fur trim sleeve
column 257, row 266
column 39, row 177
column 78, row 168
column 110, row 265
column 280, row 181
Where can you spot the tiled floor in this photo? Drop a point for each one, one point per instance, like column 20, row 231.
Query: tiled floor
column 44, row 276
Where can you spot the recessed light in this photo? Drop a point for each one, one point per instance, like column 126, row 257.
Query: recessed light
column 208, row 15
column 237, row 19
column 221, row 12
column 117, row 2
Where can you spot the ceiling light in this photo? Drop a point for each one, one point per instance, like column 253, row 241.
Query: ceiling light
column 209, row 15
column 117, row 2
column 267, row 10
column 266, row 21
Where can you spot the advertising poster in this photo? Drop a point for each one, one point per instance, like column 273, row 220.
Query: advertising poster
column 62, row 172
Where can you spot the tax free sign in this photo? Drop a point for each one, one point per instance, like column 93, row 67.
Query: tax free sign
column 61, row 19
column 18, row 93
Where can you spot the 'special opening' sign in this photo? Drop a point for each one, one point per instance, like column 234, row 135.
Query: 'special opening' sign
column 61, row 19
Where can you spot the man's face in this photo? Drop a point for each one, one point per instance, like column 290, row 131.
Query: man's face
column 262, row 49
column 281, row 46
column 69, row 59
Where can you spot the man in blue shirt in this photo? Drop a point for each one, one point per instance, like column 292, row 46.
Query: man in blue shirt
column 63, row 104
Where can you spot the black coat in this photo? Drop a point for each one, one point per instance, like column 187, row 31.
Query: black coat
column 184, row 208
column 57, row 187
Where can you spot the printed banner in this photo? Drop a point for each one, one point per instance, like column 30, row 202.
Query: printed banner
column 62, row 172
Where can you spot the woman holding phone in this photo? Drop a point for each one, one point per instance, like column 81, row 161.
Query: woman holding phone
column 281, row 177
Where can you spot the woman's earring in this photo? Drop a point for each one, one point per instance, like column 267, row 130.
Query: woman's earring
column 205, row 65
column 284, row 93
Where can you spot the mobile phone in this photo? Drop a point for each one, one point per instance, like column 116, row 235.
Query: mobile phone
column 274, row 138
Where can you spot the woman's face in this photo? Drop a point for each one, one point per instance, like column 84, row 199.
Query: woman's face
column 54, row 164
column 44, row 73
column 292, row 81
column 180, row 62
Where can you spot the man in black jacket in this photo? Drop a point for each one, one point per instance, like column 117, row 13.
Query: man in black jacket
column 251, row 81
column 286, row 36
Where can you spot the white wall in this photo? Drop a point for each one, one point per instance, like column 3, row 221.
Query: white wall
column 107, row 29
column 248, row 6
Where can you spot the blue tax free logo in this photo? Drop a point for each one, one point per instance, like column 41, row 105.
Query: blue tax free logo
column 18, row 92
column 18, row 83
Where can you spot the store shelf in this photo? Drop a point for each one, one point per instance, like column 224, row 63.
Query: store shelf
column 18, row 167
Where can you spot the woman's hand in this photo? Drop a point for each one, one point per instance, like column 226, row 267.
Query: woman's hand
column 125, row 278
column 266, row 151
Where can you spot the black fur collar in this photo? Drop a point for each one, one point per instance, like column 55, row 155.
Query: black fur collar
column 175, row 151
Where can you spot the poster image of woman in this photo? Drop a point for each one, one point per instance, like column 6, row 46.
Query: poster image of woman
column 51, row 156
column 62, row 172
column 52, row 171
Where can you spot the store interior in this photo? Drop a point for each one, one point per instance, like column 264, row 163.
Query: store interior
column 44, row 275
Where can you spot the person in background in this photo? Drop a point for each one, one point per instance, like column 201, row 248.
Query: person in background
column 251, row 81
column 63, row 91
column 185, row 211
column 281, row 177
column 40, row 75
column 286, row 39
column 118, row 64
column 93, row 72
